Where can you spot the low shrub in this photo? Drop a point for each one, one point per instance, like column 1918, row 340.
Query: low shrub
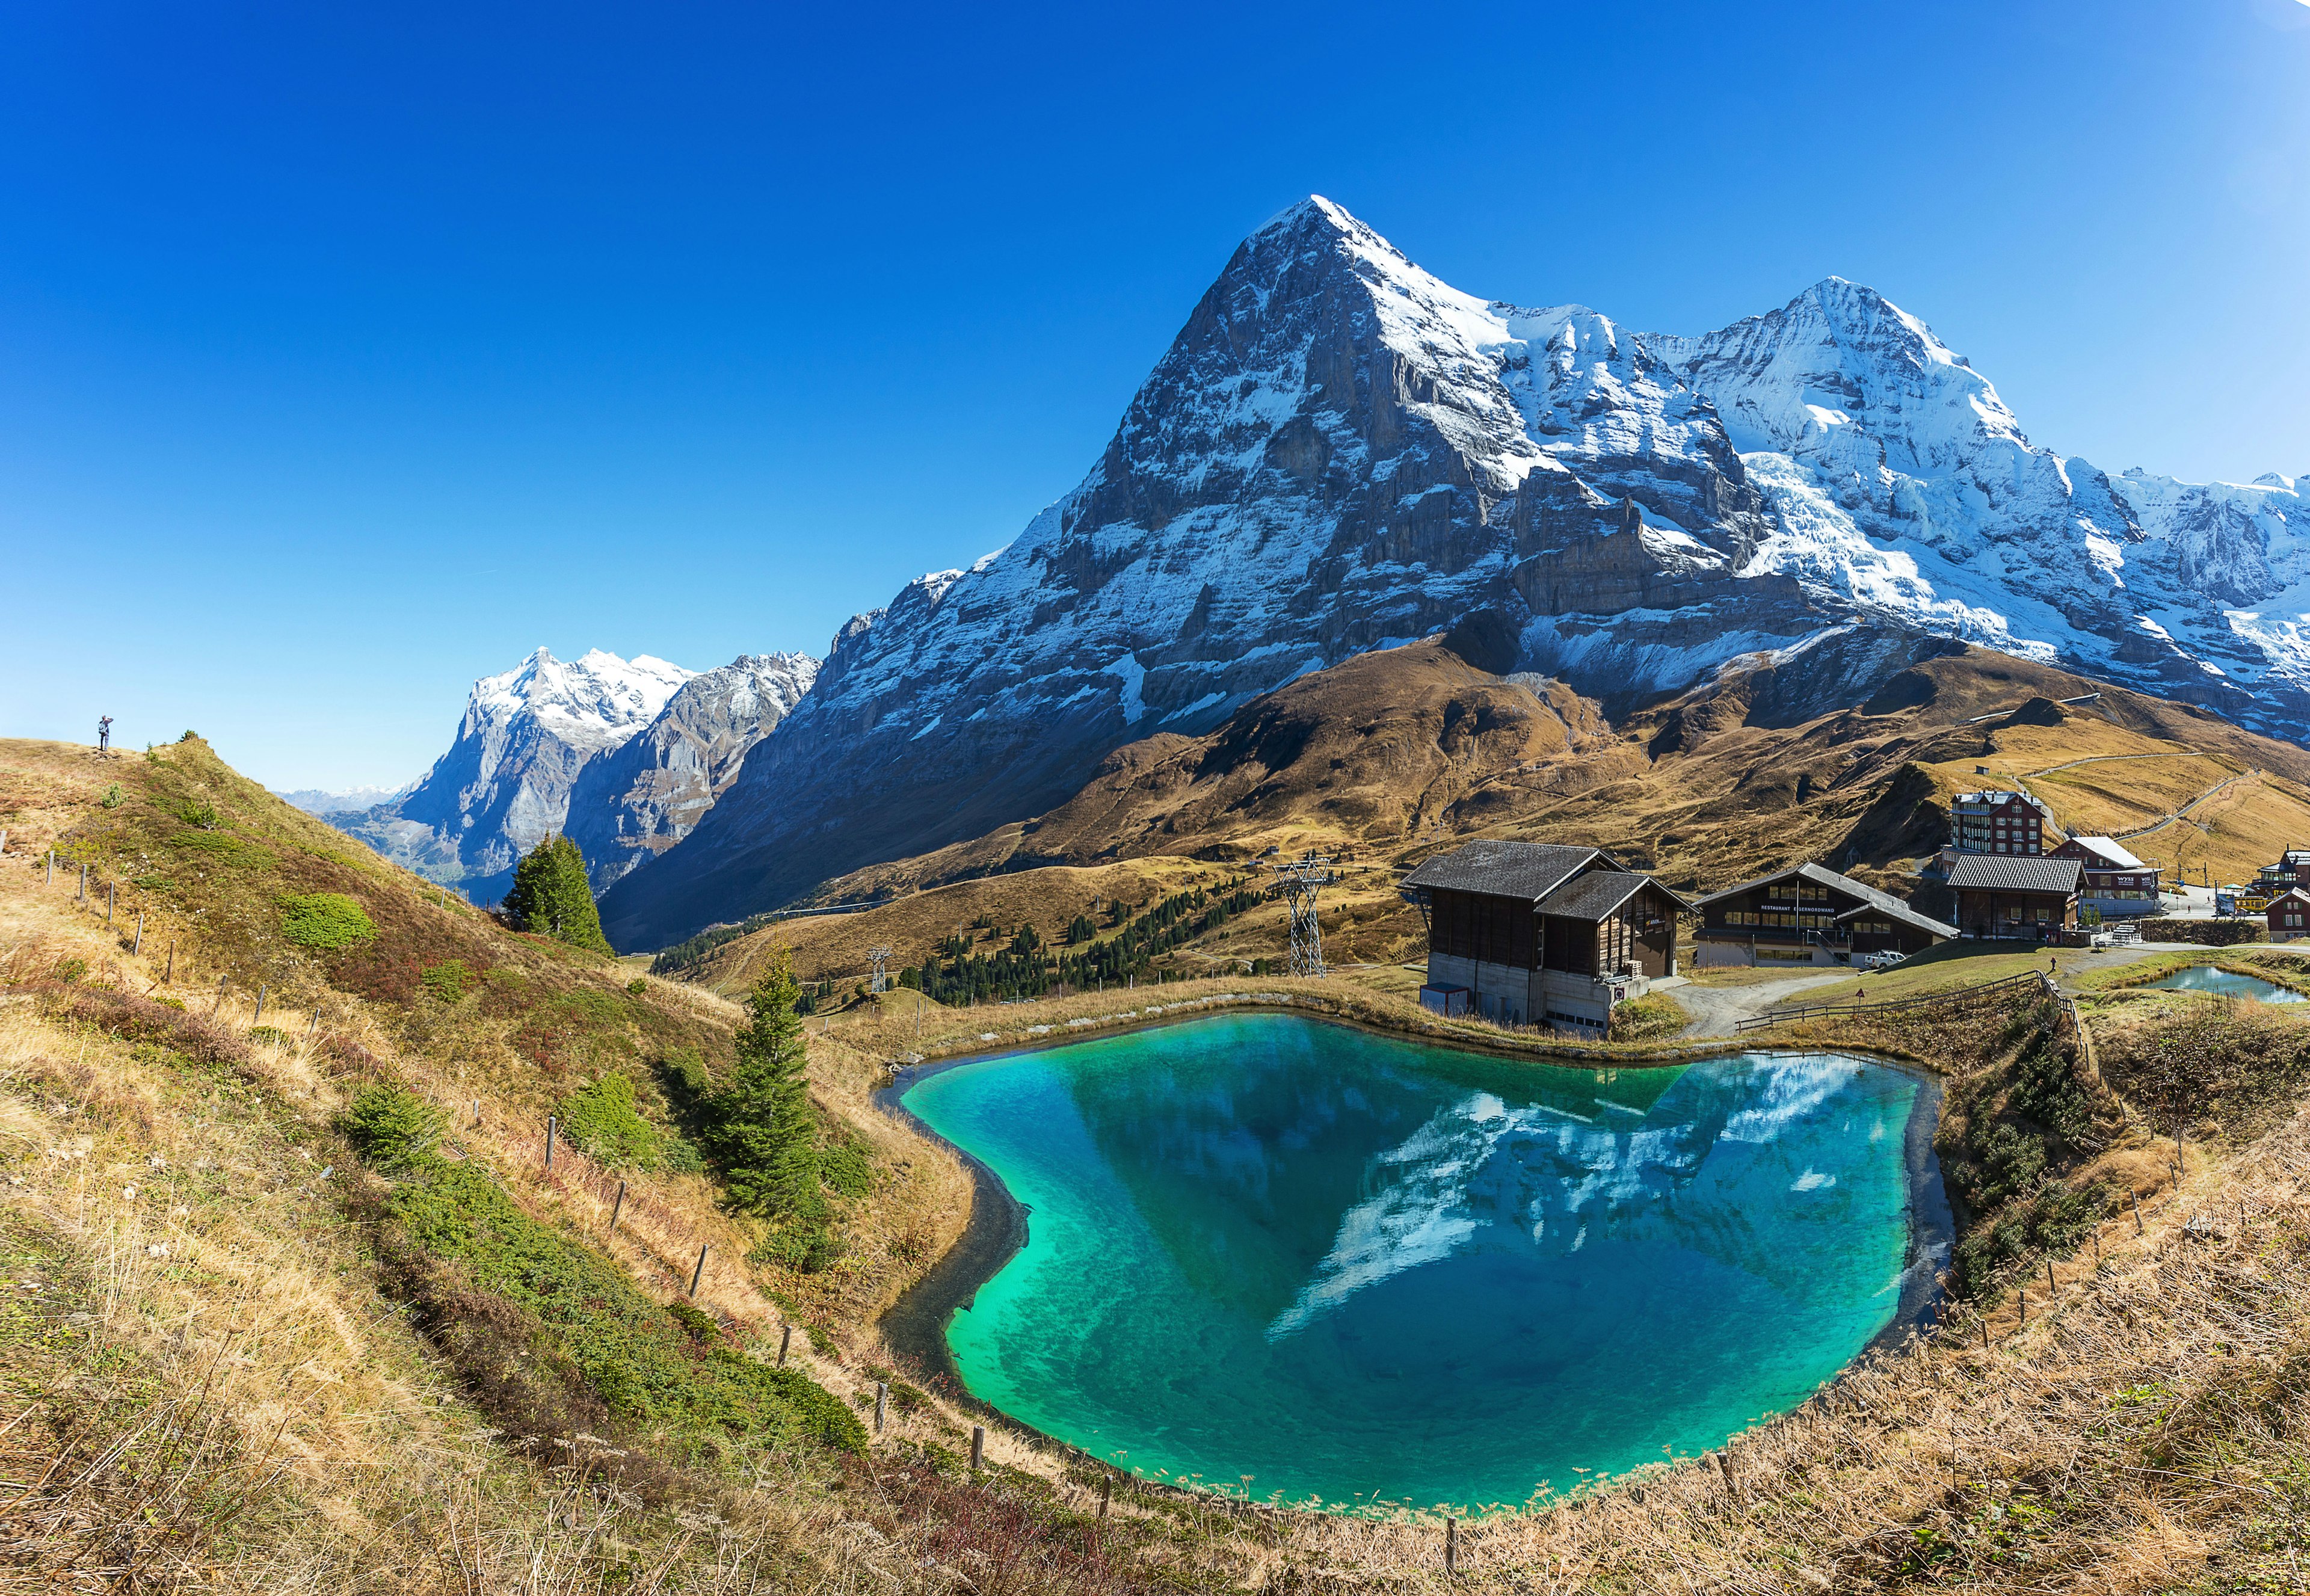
column 844, row 1165
column 449, row 981
column 326, row 921
column 599, row 1119
column 2209, row 933
column 392, row 1128
column 696, row 1322
column 268, row 1035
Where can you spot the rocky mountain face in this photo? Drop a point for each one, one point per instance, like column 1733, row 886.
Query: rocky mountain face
column 638, row 800
column 1340, row 451
column 504, row 786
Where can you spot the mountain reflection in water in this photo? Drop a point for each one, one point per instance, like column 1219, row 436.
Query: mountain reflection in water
column 1343, row 1263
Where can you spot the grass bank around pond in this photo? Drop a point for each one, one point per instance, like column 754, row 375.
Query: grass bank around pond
column 902, row 1025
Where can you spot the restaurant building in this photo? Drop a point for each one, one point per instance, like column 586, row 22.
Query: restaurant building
column 2112, row 881
column 1807, row 915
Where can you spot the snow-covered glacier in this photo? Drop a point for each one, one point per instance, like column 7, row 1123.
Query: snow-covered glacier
column 1339, row 451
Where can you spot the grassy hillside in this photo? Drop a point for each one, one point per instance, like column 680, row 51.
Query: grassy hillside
column 282, row 1316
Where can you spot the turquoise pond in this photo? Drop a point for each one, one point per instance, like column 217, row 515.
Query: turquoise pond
column 1357, row 1269
column 2205, row 978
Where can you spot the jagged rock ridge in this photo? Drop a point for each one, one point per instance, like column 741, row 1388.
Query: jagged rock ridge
column 1341, row 451
column 638, row 800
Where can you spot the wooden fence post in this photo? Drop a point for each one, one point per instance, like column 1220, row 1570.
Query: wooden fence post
column 699, row 1273
column 316, row 1026
column 1105, row 1492
column 978, row 1447
column 52, row 868
column 881, row 1403
column 615, row 1208
column 2137, row 1213
column 168, row 975
column 111, row 896
column 550, row 1123
column 83, row 883
column 137, row 946
column 217, row 1005
column 1451, row 1549
column 786, row 1341
column 260, row 1003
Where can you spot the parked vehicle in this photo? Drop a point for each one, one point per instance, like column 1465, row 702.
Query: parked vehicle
column 1885, row 961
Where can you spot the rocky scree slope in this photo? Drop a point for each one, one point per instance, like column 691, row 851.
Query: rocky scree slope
column 512, row 777
column 1340, row 452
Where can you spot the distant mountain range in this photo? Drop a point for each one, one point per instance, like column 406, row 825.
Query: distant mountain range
column 349, row 801
column 624, row 755
column 1340, row 451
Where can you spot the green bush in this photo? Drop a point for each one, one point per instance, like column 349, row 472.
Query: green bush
column 696, row 1323
column 69, row 970
column 392, row 1128
column 268, row 1035
column 599, row 1120
column 449, row 981
column 113, row 796
column 638, row 986
column 324, row 920
column 577, row 1320
column 845, row 1167
column 197, row 812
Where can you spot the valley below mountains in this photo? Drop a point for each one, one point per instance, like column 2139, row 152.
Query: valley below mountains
column 1340, row 457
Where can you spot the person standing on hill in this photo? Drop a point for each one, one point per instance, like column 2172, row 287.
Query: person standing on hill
column 103, row 733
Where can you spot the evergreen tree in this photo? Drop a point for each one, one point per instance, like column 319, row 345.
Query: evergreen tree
column 552, row 896
column 764, row 1133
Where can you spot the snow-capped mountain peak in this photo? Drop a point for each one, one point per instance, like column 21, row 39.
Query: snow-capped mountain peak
column 1340, row 450
column 597, row 697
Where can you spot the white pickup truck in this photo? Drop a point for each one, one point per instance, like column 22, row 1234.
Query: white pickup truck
column 1885, row 961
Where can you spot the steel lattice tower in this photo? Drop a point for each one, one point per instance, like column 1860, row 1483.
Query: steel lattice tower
column 1301, row 879
column 880, row 956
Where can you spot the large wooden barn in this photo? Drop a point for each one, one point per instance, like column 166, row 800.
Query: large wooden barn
column 1536, row 933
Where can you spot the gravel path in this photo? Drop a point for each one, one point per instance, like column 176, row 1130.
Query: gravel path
column 1716, row 1010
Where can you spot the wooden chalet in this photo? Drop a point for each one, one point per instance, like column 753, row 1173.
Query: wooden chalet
column 2289, row 914
column 2030, row 898
column 1807, row 915
column 1537, row 934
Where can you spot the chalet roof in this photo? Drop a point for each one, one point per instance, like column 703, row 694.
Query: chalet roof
column 2014, row 872
column 1527, row 870
column 1873, row 901
column 1593, row 895
column 2301, row 893
column 2116, row 853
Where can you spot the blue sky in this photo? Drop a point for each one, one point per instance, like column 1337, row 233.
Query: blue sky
column 347, row 354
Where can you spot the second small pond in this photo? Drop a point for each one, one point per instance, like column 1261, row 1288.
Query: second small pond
column 2205, row 978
